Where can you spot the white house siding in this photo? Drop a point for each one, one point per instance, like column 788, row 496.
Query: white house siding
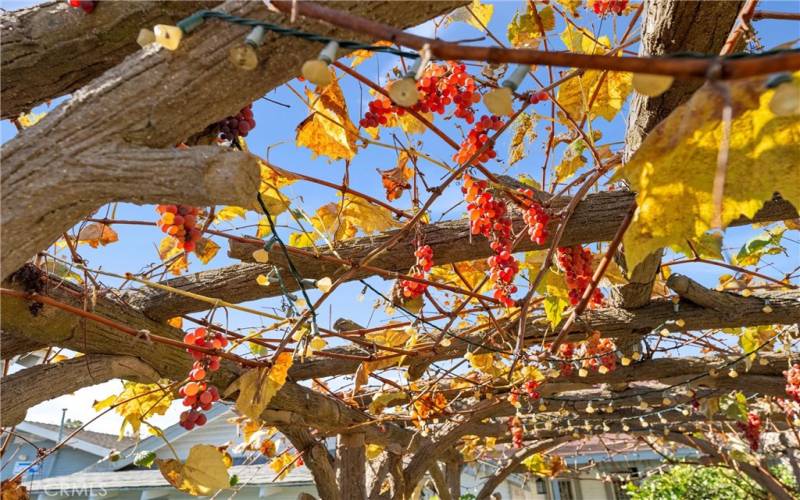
column 592, row 489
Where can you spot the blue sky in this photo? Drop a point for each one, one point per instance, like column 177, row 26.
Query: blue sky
column 275, row 132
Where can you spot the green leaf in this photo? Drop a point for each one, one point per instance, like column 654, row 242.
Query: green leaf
column 708, row 246
column 144, row 458
column 766, row 243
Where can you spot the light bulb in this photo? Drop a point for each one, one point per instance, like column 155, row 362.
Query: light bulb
column 786, row 100
column 666, row 401
column 602, row 370
column 542, row 407
column 583, row 372
column 317, row 72
column 626, row 427
column 146, row 37
column 625, row 361
column 244, row 57
column 651, row 85
column 590, row 408
column 404, row 92
column 498, row 101
column 733, row 373
column 261, row 256
column 168, row 36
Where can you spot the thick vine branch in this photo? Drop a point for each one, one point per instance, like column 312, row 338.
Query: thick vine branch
column 595, row 219
column 31, row 386
column 50, row 50
column 153, row 99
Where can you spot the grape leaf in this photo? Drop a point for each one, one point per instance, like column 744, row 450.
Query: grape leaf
column 136, row 403
column 707, row 246
column 766, row 243
column 229, row 213
column 341, row 221
column 524, row 31
column 258, row 385
column 482, row 14
column 205, row 250
column 677, row 163
column 359, row 56
column 328, row 131
column 96, row 234
column 524, row 132
column 203, row 473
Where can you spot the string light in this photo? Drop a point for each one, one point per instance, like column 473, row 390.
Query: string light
column 316, row 70
column 145, row 37
column 498, row 101
column 785, row 101
column 245, row 56
column 652, row 85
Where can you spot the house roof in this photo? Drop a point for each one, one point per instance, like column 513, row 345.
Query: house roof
column 96, row 443
column 152, row 478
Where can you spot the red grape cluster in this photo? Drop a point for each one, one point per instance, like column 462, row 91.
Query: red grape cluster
column 538, row 97
column 197, row 393
column 477, row 137
column 414, row 289
column 751, row 429
column 793, row 382
column 87, row 5
column 532, row 389
column 180, row 222
column 438, row 87
column 489, row 217
column 603, row 7
column 565, row 352
column 576, row 262
column 599, row 352
column 233, row 127
column 379, row 111
column 535, row 217
column 515, row 427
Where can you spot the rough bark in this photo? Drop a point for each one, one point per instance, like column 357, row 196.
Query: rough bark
column 15, row 345
column 507, row 468
column 51, row 49
column 166, row 97
column 317, row 459
column 440, row 482
column 350, row 466
column 40, row 202
column 53, row 326
column 452, row 473
column 31, row 386
column 597, row 218
column 669, row 27
column 610, row 322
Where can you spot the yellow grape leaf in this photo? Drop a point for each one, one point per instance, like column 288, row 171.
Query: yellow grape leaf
column 581, row 40
column 136, row 403
column 176, row 322
column 571, row 162
column 27, row 120
column 574, row 94
column 205, row 250
column 271, row 182
column 556, row 296
column 479, row 17
column 677, row 162
column 343, row 220
column 283, row 464
column 524, row 30
column 408, row 123
column 473, row 271
column 391, row 338
column 373, row 451
column 168, row 249
column 258, row 385
column 96, row 234
column 571, row 6
column 383, row 400
column 485, row 363
column 328, row 131
column 230, row 213
column 359, row 56
column 524, row 132
column 204, row 472
column 544, row 465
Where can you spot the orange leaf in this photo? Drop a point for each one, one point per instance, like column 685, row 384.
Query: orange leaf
column 96, row 234
column 395, row 180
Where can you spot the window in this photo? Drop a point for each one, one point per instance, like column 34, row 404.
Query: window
column 565, row 489
column 540, row 486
